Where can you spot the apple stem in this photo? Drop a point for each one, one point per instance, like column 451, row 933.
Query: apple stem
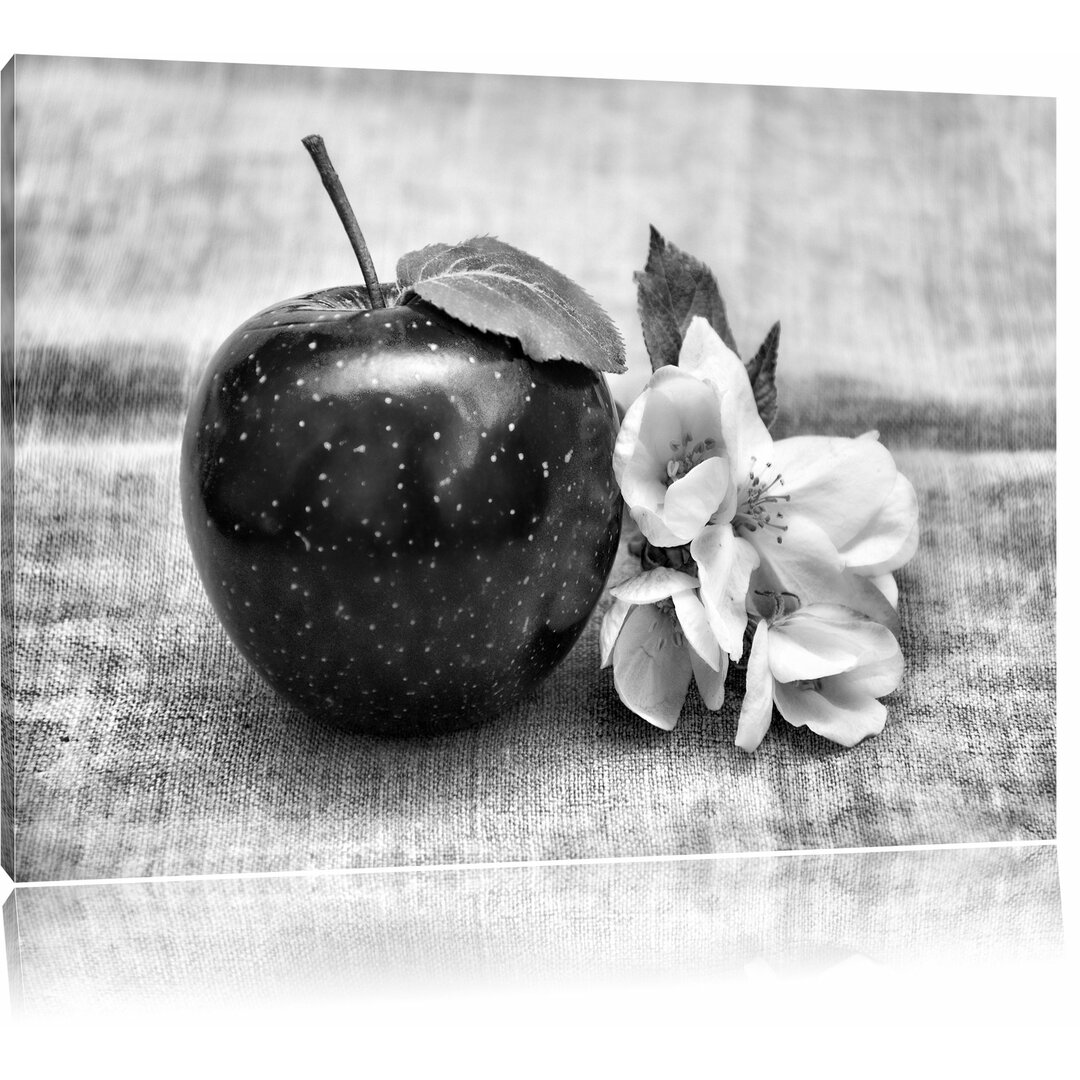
column 332, row 182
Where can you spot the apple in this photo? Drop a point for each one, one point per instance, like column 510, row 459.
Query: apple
column 402, row 522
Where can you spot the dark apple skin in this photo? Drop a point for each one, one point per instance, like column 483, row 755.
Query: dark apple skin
column 402, row 523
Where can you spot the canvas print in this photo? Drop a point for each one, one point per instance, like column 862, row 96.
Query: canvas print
column 419, row 468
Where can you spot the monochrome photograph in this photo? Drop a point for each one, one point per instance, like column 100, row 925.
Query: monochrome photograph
column 410, row 469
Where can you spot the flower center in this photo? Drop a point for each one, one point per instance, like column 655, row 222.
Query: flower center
column 674, row 558
column 687, row 454
column 760, row 506
column 784, row 603
column 667, row 606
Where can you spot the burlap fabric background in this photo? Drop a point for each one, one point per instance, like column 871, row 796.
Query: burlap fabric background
column 906, row 241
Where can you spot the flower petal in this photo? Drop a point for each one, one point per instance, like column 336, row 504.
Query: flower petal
column 756, row 713
column 886, row 585
column 802, row 561
column 839, row 483
column 878, row 678
column 845, row 718
column 891, row 536
column 675, row 410
column 651, row 586
column 652, row 673
column 725, row 563
column 710, row 683
column 858, row 592
column 694, row 498
column 808, row 567
column 695, row 626
column 610, row 627
column 706, row 356
column 652, row 423
column 825, row 639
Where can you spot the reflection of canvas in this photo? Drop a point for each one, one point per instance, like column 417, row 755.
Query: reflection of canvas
column 905, row 241
column 101, row 950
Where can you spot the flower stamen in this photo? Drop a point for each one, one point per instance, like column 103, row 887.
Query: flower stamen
column 687, row 454
column 758, row 507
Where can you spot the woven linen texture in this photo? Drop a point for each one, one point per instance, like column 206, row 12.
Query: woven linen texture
column 905, row 241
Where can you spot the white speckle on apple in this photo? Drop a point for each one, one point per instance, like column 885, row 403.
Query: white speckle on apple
column 510, row 426
column 361, row 449
column 432, row 346
column 389, row 401
column 498, row 374
column 436, row 435
column 311, row 345
column 243, row 435
column 327, row 446
column 301, row 423
column 316, row 397
column 568, row 455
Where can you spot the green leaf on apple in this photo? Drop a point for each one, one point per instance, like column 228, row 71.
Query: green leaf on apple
column 762, row 372
column 672, row 289
column 499, row 289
